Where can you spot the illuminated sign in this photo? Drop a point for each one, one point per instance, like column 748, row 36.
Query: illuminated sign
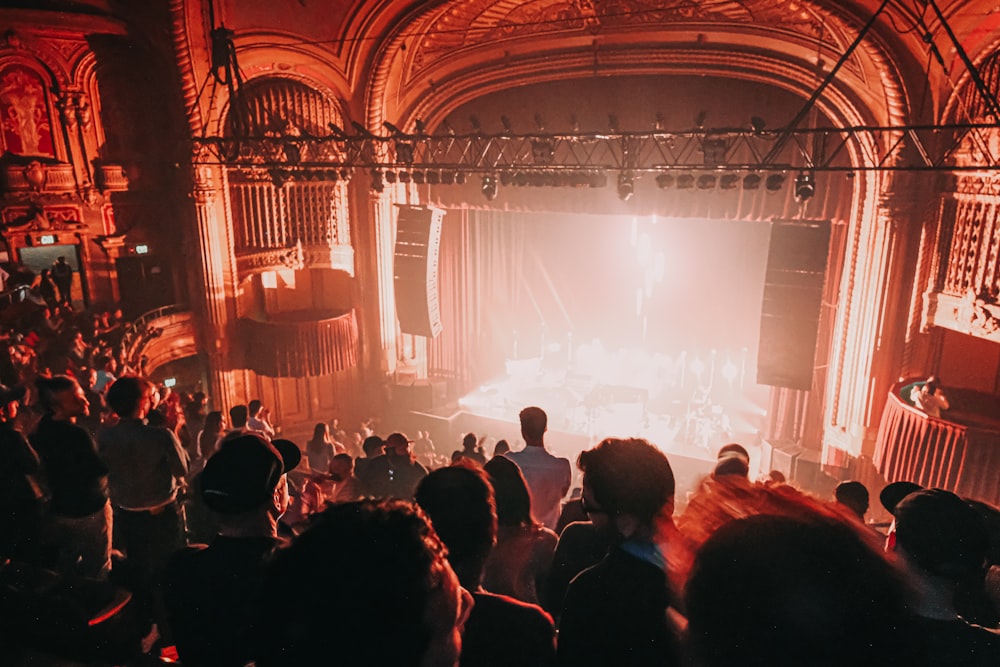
column 47, row 239
column 170, row 382
column 142, row 249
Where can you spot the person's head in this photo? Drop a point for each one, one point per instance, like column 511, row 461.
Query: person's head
column 341, row 467
column 215, row 423
column 247, row 477
column 255, row 407
column 941, row 535
column 534, row 423
column 794, row 590
column 893, row 493
column 238, row 415
column 513, row 499
column 627, row 485
column 932, row 384
column 469, row 442
column 62, row 398
column 459, row 501
column 131, row 397
column 397, row 444
column 731, row 467
column 199, row 401
column 397, row 600
column 373, row 446
column 321, row 432
column 853, row 496
column 734, row 449
column 501, row 448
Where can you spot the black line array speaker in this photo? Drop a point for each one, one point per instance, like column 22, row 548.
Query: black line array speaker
column 415, row 270
column 793, row 292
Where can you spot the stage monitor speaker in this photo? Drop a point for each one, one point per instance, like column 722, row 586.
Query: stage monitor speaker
column 415, row 270
column 793, row 293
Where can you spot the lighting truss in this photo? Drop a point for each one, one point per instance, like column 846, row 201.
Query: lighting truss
column 825, row 149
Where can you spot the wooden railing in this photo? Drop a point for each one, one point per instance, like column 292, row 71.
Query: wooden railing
column 960, row 453
column 301, row 344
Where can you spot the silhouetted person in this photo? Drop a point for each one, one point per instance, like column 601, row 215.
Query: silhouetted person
column 471, row 449
column 787, row 591
column 367, row 584
column 396, row 473
column 548, row 476
column 943, row 542
column 853, row 496
column 81, row 518
column 616, row 612
column 519, row 564
column 212, row 593
column 500, row 631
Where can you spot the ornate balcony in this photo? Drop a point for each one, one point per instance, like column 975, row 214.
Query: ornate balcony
column 960, row 453
column 301, row 344
column 159, row 337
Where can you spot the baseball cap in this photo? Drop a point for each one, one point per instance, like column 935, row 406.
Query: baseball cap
column 242, row 475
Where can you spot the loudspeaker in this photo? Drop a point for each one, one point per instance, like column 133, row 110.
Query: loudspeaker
column 421, row 395
column 793, row 292
column 783, row 457
column 415, row 269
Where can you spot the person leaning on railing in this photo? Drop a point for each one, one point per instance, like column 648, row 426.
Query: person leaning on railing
column 929, row 397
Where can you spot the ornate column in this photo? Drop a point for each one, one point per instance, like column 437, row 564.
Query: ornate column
column 871, row 326
column 216, row 304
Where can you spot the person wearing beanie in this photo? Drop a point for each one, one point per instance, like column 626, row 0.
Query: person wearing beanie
column 211, row 591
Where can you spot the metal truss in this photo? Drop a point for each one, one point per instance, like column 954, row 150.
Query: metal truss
column 971, row 147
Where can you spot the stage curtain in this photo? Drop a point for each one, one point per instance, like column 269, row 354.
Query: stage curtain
column 479, row 282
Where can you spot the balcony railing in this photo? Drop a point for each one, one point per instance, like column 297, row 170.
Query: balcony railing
column 960, row 453
column 301, row 344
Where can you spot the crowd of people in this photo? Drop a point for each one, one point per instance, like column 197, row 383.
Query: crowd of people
column 164, row 532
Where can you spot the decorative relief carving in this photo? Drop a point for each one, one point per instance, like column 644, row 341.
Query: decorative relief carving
column 978, row 146
column 38, row 218
column 25, row 124
column 473, row 22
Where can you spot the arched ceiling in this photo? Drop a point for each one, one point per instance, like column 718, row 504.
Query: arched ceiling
column 399, row 60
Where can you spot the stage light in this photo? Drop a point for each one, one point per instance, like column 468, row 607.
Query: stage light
column 489, row 187
column 805, row 186
column 506, row 178
column 447, row 177
column 626, row 186
column 433, row 178
column 404, row 176
column 418, row 177
column 542, row 151
column 664, row 181
column 460, row 177
column 390, row 177
column 706, row 182
column 751, row 182
column 728, row 181
column 714, row 151
column 774, row 182
column 685, row 181
column 378, row 185
column 757, row 124
column 404, row 152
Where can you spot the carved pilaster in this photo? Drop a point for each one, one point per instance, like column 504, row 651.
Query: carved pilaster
column 73, row 109
column 216, row 260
